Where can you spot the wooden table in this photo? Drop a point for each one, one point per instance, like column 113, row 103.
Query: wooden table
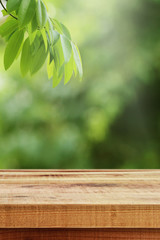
column 79, row 205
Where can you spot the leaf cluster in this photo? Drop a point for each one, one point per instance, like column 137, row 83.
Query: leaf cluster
column 32, row 34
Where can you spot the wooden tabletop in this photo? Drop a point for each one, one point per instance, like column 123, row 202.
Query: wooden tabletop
column 79, row 199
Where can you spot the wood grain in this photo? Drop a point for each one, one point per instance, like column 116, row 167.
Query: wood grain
column 81, row 234
column 80, row 199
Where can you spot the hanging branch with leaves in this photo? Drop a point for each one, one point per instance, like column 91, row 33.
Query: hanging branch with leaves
column 31, row 33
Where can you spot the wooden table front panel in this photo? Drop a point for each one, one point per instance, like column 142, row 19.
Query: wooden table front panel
column 79, row 234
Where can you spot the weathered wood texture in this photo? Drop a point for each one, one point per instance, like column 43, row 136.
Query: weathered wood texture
column 81, row 234
column 80, row 199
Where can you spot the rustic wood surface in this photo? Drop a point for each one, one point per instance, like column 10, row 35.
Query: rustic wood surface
column 81, row 234
column 80, row 199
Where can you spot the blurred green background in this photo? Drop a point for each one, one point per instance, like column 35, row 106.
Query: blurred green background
column 112, row 118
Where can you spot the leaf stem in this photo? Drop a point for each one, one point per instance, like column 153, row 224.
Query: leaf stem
column 7, row 11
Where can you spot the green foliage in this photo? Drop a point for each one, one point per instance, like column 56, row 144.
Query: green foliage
column 29, row 28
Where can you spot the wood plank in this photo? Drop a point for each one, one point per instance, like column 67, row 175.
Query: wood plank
column 79, row 199
column 83, row 234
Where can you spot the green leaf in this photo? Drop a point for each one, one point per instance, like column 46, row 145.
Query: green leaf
column 66, row 31
column 51, row 53
column 26, row 11
column 25, row 57
column 53, row 35
column 50, row 68
column 78, row 61
column 41, row 14
column 44, row 38
column 58, row 55
column 67, row 48
column 56, row 77
column 12, row 5
column 75, row 68
column 68, row 69
column 12, row 49
column 61, row 28
column 38, row 59
column 57, row 25
column 60, row 71
column 34, row 23
column 8, row 27
column 35, row 45
column 32, row 35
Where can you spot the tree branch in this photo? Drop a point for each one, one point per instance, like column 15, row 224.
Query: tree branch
column 7, row 11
